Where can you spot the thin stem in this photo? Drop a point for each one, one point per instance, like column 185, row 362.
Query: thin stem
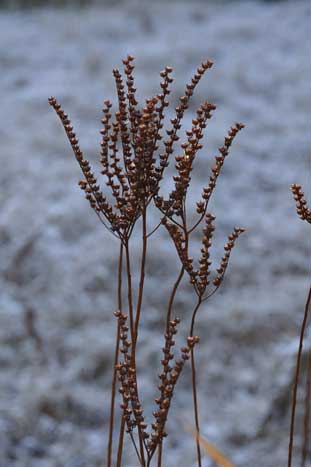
column 142, row 275
column 133, row 338
column 296, row 381
column 161, row 221
column 122, row 430
column 129, row 288
column 138, row 312
column 121, row 438
column 131, row 313
column 307, row 409
column 178, row 281
column 193, row 368
column 194, row 387
column 160, row 455
column 142, row 462
column 194, row 316
column 168, row 317
column 171, row 218
column 120, row 277
column 195, row 407
column 211, row 293
column 154, row 229
column 114, row 379
column 172, row 296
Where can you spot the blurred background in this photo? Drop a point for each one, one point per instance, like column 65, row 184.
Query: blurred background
column 57, row 264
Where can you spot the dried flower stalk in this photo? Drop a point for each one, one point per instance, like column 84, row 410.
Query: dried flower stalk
column 135, row 151
column 304, row 213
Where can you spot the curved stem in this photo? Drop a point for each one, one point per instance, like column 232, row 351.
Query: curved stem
column 178, row 280
column 134, row 322
column 173, row 294
column 307, row 409
column 137, row 316
column 154, row 229
column 116, row 357
column 142, row 462
column 296, row 381
column 142, row 275
column 194, row 316
column 210, row 294
column 194, row 387
column 132, row 330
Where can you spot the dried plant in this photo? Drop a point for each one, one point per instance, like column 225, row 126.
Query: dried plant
column 304, row 213
column 135, row 152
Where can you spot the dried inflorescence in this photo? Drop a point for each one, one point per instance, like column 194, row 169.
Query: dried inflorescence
column 135, row 151
column 169, row 377
column 303, row 211
column 199, row 278
column 225, row 259
column 131, row 406
column 136, row 180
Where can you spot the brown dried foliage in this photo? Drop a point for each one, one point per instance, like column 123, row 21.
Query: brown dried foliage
column 135, row 151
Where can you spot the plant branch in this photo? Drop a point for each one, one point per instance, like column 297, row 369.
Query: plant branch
column 116, row 357
column 296, row 380
column 307, row 408
column 194, row 387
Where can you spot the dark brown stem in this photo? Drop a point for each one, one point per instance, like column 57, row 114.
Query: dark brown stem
column 133, row 338
column 138, row 312
column 131, row 313
column 194, row 316
column 307, row 409
column 129, row 288
column 142, row 274
column 194, row 387
column 116, row 357
column 193, row 368
column 296, row 381
column 120, row 447
column 172, row 296
column 154, row 229
column 142, row 462
column 176, row 285
column 160, row 454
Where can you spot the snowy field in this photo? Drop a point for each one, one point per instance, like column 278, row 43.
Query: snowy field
column 56, row 259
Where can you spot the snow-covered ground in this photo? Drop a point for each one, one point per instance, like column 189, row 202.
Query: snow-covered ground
column 55, row 257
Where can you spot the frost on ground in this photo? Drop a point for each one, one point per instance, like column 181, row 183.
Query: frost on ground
column 57, row 260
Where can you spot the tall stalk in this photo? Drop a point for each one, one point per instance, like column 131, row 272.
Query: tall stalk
column 307, row 409
column 296, row 380
column 116, row 358
column 133, row 169
column 194, row 390
column 133, row 338
column 142, row 275
column 304, row 212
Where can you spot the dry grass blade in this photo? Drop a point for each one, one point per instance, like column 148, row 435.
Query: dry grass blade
column 214, row 453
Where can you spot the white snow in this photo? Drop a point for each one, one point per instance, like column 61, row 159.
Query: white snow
column 57, row 259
